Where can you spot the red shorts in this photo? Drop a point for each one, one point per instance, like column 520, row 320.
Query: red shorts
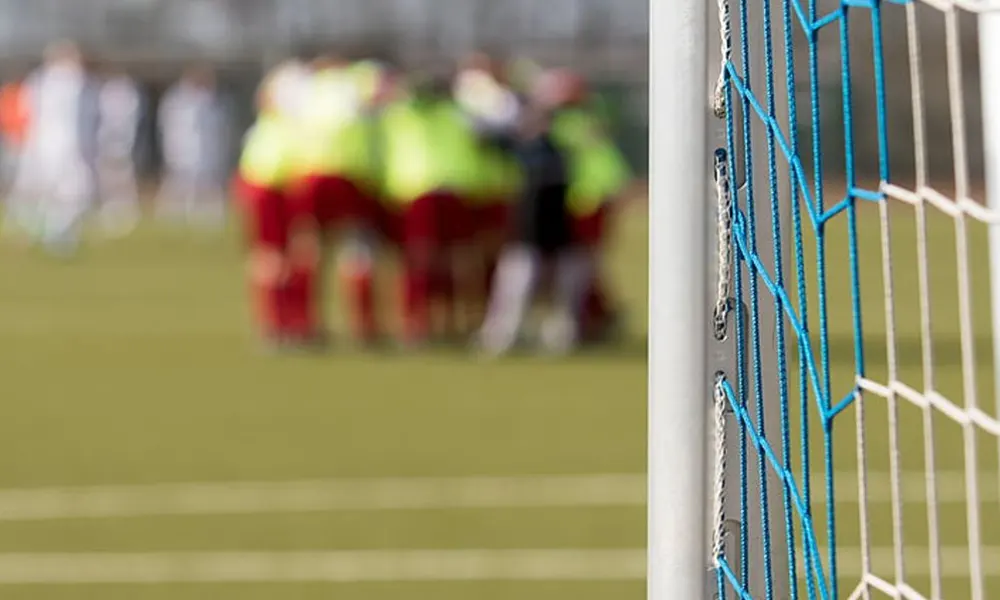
column 463, row 221
column 334, row 201
column 439, row 218
column 492, row 219
column 590, row 230
column 266, row 215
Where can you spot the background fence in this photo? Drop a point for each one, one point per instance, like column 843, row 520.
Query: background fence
column 605, row 38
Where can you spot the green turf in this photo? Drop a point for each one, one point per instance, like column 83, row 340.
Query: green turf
column 395, row 591
column 132, row 364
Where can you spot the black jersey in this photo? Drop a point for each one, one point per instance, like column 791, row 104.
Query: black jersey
column 541, row 215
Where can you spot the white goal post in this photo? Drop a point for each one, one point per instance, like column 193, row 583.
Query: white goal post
column 678, row 409
column 685, row 54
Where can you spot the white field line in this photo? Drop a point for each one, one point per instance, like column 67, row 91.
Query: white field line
column 331, row 567
column 351, row 566
column 954, row 562
column 608, row 490
column 949, row 486
column 322, row 495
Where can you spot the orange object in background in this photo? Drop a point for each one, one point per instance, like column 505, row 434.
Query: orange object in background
column 14, row 113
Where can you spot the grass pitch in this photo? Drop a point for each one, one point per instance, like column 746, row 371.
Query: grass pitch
column 132, row 366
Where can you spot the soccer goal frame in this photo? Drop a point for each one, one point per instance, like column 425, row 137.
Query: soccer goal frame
column 690, row 343
column 678, row 361
column 685, row 352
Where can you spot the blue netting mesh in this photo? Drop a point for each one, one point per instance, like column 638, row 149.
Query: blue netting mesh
column 763, row 280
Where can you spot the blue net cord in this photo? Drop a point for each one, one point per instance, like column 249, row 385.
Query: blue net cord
column 740, row 104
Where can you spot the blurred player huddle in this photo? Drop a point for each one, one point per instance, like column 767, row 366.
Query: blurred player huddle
column 494, row 184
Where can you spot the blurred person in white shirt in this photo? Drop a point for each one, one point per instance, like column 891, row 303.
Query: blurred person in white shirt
column 120, row 113
column 194, row 133
column 481, row 89
column 290, row 83
column 56, row 168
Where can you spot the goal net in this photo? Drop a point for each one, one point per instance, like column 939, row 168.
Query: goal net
column 853, row 244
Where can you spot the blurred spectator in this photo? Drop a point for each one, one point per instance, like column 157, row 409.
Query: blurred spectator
column 14, row 121
column 194, row 123
column 54, row 185
column 120, row 112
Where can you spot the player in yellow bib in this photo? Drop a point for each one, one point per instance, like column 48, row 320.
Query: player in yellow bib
column 599, row 174
column 483, row 90
column 334, row 197
column 266, row 169
column 428, row 163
